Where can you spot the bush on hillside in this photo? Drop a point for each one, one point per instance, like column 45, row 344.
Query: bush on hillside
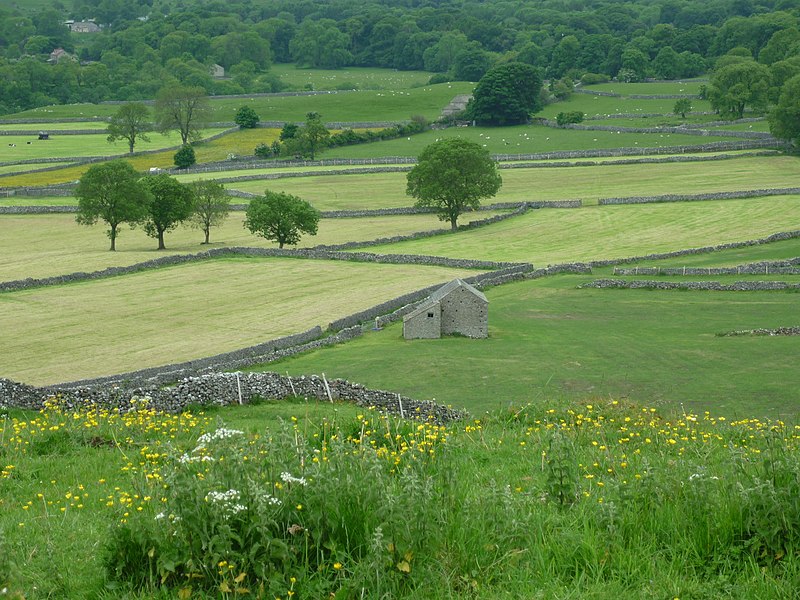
column 565, row 118
column 594, row 78
column 185, row 157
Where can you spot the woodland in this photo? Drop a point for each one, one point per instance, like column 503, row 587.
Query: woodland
column 141, row 44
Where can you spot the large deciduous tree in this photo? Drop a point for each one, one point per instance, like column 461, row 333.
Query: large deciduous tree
column 784, row 119
column 130, row 123
column 111, row 192
column 453, row 175
column 183, row 109
column 171, row 202
column 506, row 95
column 281, row 218
column 737, row 86
column 211, row 205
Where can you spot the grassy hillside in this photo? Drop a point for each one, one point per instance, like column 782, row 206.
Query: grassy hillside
column 396, row 104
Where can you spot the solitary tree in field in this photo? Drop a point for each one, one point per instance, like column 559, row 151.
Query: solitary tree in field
column 182, row 109
column 682, row 106
column 451, row 176
column 211, row 205
column 111, row 192
column 184, row 157
column 170, row 203
column 246, row 118
column 130, row 123
column 281, row 218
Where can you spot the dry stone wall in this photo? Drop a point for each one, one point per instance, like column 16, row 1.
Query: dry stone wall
column 772, row 267
column 222, row 389
column 738, row 286
column 737, row 195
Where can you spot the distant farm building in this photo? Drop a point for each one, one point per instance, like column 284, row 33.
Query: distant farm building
column 59, row 54
column 217, row 71
column 83, row 26
column 455, row 308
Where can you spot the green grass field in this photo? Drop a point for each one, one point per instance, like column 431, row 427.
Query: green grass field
column 48, row 245
column 549, row 341
column 362, row 78
column 52, row 128
column 14, row 169
column 361, row 106
column 239, row 143
column 655, row 88
column 68, row 146
column 594, row 106
column 190, row 311
column 783, row 250
column 523, row 139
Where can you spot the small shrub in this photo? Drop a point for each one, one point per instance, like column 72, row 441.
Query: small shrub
column 289, row 131
column 564, row 118
column 268, row 150
column 185, row 157
column 594, row 78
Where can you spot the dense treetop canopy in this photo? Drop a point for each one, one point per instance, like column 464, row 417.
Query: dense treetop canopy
column 143, row 43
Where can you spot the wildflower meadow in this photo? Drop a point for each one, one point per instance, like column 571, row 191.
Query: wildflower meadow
column 306, row 500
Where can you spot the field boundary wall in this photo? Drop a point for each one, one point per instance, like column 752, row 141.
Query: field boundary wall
column 771, row 267
column 223, row 389
column 716, row 286
column 737, row 195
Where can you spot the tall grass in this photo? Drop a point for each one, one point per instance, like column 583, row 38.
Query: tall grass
column 546, row 500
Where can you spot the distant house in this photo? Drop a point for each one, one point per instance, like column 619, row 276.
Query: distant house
column 59, row 54
column 217, row 71
column 455, row 308
column 83, row 26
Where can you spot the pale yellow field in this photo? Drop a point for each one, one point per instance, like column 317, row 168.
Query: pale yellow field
column 115, row 325
column 551, row 236
column 47, row 245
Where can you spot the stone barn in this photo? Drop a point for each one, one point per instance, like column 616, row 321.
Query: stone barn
column 455, row 308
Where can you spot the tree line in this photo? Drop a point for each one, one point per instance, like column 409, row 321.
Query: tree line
column 143, row 43
column 115, row 193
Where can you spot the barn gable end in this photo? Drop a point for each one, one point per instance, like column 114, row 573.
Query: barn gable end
column 455, row 308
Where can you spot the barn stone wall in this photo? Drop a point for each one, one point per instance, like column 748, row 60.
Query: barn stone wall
column 465, row 314
column 424, row 323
